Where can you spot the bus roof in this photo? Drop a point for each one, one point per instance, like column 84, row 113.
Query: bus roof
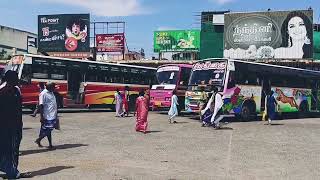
column 87, row 61
column 179, row 65
column 268, row 65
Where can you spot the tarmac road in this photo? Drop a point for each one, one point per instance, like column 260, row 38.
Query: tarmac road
column 96, row 145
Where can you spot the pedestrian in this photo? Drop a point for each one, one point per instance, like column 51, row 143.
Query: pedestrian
column 126, row 100
column 271, row 107
column 142, row 108
column 10, row 127
column 119, row 104
column 217, row 112
column 206, row 113
column 173, row 112
column 41, row 88
column 48, row 114
column 203, row 100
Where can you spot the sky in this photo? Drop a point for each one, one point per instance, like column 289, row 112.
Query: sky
column 142, row 17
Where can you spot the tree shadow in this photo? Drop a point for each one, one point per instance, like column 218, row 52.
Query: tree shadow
column 58, row 147
column 49, row 170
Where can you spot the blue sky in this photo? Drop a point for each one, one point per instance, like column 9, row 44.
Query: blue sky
column 142, row 17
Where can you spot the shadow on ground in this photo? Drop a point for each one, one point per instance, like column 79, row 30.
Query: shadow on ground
column 43, row 172
column 148, row 132
column 58, row 147
column 49, row 170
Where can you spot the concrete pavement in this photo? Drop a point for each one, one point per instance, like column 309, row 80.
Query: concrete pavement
column 100, row 146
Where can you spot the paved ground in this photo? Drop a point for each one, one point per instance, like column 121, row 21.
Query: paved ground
column 99, row 146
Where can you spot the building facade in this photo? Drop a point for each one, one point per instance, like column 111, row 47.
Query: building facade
column 14, row 41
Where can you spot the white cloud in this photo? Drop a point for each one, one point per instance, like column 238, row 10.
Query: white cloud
column 222, row 1
column 106, row 7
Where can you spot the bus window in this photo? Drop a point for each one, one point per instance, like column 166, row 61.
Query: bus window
column 185, row 74
column 39, row 72
column 58, row 74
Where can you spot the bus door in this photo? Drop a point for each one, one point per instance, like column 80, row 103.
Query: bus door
column 75, row 78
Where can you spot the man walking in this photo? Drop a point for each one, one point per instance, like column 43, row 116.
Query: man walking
column 10, row 126
column 48, row 114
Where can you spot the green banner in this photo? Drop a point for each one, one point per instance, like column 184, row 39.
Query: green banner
column 178, row 40
column 316, row 45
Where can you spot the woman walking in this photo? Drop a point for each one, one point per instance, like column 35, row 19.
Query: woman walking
column 142, row 113
column 119, row 104
column 271, row 107
column 173, row 112
column 126, row 101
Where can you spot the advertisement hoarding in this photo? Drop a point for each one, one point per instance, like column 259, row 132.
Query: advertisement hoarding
column 65, row 35
column 110, row 42
column 177, row 40
column 269, row 35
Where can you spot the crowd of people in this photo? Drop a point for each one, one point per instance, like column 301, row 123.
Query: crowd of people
column 11, row 116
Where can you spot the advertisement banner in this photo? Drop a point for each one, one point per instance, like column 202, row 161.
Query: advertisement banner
column 177, row 40
column 269, row 35
column 64, row 34
column 110, row 42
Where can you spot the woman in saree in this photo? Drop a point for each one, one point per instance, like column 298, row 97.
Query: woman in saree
column 142, row 109
column 173, row 112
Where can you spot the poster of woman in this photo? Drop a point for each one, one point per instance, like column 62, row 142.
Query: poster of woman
column 269, row 35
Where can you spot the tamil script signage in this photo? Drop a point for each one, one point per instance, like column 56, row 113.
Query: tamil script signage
column 209, row 65
column 110, row 42
column 175, row 41
column 65, row 35
column 268, row 35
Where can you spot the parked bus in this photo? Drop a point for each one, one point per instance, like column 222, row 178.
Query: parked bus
column 170, row 77
column 81, row 83
column 244, row 86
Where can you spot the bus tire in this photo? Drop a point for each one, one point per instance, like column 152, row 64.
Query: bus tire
column 248, row 111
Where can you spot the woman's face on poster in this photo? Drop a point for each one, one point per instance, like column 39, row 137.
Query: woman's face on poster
column 297, row 29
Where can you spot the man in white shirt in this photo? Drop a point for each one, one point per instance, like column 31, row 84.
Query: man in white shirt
column 48, row 113
column 217, row 113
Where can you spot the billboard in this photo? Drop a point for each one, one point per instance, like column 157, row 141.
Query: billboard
column 64, row 35
column 177, row 40
column 269, row 35
column 110, row 42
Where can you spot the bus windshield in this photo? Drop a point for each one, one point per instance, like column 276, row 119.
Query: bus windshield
column 168, row 75
column 208, row 73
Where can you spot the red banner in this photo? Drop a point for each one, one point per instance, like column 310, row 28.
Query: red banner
column 110, row 42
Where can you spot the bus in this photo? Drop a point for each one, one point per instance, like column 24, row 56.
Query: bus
column 170, row 77
column 245, row 85
column 79, row 83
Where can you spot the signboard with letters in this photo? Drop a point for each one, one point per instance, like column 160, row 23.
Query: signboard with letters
column 269, row 35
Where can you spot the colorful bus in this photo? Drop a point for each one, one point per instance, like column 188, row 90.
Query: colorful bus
column 244, row 86
column 80, row 83
column 170, row 77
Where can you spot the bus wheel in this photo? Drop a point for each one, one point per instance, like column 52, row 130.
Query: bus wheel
column 247, row 113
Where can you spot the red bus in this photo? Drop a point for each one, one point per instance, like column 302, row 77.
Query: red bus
column 80, row 83
column 170, row 77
